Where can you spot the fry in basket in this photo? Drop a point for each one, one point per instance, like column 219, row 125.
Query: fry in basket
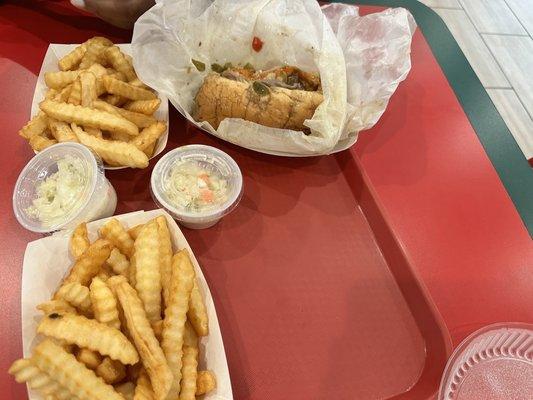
column 87, row 116
column 39, row 142
column 79, row 241
column 25, row 371
column 119, row 61
column 112, row 152
column 182, row 278
column 197, row 311
column 93, row 55
column 91, row 359
column 149, row 151
column 113, row 231
column 132, row 272
column 158, row 329
column 88, row 265
column 90, row 334
column 72, row 59
column 127, row 390
column 51, row 94
column 138, row 83
column 64, row 94
column 147, row 107
column 148, row 276
column 149, row 136
column 141, row 120
column 111, row 371
column 61, row 131
column 88, row 89
column 75, row 93
column 165, row 257
column 35, row 127
column 56, row 306
column 118, row 262
column 69, row 372
column 140, row 330
column 58, row 80
column 76, row 295
column 114, row 86
column 134, row 232
column 104, row 303
column 189, row 371
column 205, row 382
column 143, row 390
column 115, row 100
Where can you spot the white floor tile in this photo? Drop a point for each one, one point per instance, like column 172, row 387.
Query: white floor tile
column 516, row 117
column 493, row 16
column 474, row 48
column 515, row 55
column 441, row 3
column 523, row 9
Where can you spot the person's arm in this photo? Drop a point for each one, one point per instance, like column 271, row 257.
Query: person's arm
column 121, row 13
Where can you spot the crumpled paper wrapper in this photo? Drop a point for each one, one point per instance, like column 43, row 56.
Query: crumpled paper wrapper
column 57, row 51
column 361, row 61
column 47, row 261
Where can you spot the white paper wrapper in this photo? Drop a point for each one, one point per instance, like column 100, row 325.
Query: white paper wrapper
column 56, row 52
column 374, row 59
column 47, row 261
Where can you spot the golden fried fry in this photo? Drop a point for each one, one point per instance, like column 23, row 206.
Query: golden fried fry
column 148, row 277
column 113, row 231
column 127, row 390
column 149, row 136
column 118, row 262
column 79, row 241
column 197, row 311
column 189, row 371
column 147, row 107
column 89, row 117
column 141, row 120
column 39, row 142
column 104, row 303
column 75, row 93
column 51, row 94
column 87, row 266
column 93, row 132
column 105, row 273
column 132, row 272
column 90, row 334
column 93, row 55
column 63, row 95
column 35, row 127
column 56, row 306
column 25, row 371
column 165, row 257
column 140, row 330
column 143, row 390
column 88, row 89
column 76, row 295
column 73, row 58
column 91, row 359
column 205, row 382
column 117, row 59
column 111, row 371
column 114, row 86
column 149, row 151
column 115, row 99
column 119, row 136
column 113, row 152
column 58, row 80
column 81, row 381
column 138, row 83
column 134, row 232
column 158, row 329
column 61, row 131
column 182, row 278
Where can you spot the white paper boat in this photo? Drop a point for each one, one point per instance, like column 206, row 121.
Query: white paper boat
column 47, row 260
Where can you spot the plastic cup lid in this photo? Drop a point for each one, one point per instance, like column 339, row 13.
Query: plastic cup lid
column 494, row 363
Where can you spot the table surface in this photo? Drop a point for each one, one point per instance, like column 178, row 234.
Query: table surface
column 439, row 190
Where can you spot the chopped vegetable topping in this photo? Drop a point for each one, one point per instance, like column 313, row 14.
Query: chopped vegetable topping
column 200, row 66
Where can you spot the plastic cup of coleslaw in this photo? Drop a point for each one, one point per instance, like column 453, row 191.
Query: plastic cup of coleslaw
column 62, row 186
column 197, row 185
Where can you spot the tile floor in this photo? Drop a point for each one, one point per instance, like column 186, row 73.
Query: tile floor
column 497, row 38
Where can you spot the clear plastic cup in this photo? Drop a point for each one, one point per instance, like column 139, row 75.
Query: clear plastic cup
column 214, row 161
column 97, row 199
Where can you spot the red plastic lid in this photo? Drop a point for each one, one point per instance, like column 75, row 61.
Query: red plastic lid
column 495, row 362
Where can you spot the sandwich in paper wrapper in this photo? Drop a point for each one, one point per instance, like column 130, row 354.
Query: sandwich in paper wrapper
column 278, row 77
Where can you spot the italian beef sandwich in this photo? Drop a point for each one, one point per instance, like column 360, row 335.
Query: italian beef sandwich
column 280, row 98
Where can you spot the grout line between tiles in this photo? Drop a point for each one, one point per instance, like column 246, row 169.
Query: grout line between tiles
column 516, row 16
column 504, row 34
column 499, row 87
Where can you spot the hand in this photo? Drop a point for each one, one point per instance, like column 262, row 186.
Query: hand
column 121, row 13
